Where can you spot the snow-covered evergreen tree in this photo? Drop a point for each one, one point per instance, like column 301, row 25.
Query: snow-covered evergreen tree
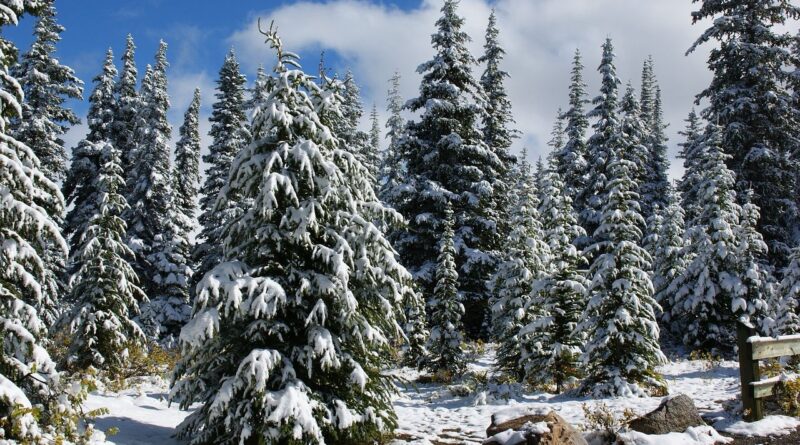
column 47, row 84
column 647, row 94
column 149, row 217
column 169, row 309
column 622, row 349
column 657, row 185
column 572, row 158
column 392, row 166
column 748, row 98
column 712, row 293
column 788, row 295
column 691, row 153
column 634, row 137
column 80, row 186
column 29, row 204
column 372, row 151
column 602, row 143
column 104, row 285
column 229, row 134
column 525, row 257
column 128, row 106
column 665, row 244
column 551, row 346
column 445, row 354
column 447, row 160
column 291, row 334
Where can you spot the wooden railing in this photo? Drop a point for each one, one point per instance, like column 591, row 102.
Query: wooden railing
column 753, row 348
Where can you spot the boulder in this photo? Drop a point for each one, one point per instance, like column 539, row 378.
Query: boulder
column 533, row 429
column 674, row 415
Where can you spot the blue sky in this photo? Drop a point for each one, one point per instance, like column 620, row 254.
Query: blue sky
column 376, row 37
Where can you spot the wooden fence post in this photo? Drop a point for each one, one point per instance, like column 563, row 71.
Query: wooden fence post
column 749, row 373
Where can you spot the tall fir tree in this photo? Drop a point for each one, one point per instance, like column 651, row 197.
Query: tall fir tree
column 647, row 93
column 30, row 204
column 711, row 295
column 600, row 145
column 372, row 153
column 445, row 353
column 657, row 185
column 149, row 189
column 128, row 107
column 749, row 100
column 622, row 350
column 691, row 153
column 393, row 166
column 47, row 84
column 665, row 244
column 229, row 135
column 80, row 187
column 525, row 257
column 104, row 285
column 573, row 157
column 447, row 160
column 498, row 119
column 550, row 343
column 316, row 287
column 170, row 309
column 634, row 135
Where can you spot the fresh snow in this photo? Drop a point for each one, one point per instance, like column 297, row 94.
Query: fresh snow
column 429, row 412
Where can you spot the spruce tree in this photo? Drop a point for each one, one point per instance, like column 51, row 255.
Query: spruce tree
column 170, row 310
column 104, row 285
column 525, row 257
column 573, row 157
column 372, row 150
column 691, row 151
column 291, row 334
column 657, row 186
column 80, row 187
column 392, row 166
column 634, row 135
column 128, row 107
column 30, row 203
column 551, row 345
column 666, row 246
column 788, row 293
column 622, row 349
column 447, row 160
column 445, row 354
column 711, row 295
column 229, row 134
column 47, row 84
column 749, row 100
column 601, row 144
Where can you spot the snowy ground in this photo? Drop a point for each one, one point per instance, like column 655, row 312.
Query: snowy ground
column 428, row 413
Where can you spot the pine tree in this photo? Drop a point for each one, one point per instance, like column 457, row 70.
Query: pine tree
column 710, row 296
column 127, row 108
column 647, row 94
column 525, row 256
column 446, row 311
column 170, row 310
column 665, row 244
column 788, row 321
column 30, row 203
column 47, row 84
column 352, row 111
column 691, row 153
column 372, row 151
column 393, row 167
column 573, row 157
column 315, row 286
column 656, row 188
column 749, row 100
column 104, row 284
column 447, row 160
column 80, row 187
column 622, row 350
column 229, row 135
column 551, row 345
column 601, row 144
column 634, row 136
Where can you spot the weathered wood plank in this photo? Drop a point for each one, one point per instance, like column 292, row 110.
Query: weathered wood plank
column 773, row 348
column 749, row 373
column 763, row 388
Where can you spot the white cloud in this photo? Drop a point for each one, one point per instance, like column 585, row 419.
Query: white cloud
column 538, row 35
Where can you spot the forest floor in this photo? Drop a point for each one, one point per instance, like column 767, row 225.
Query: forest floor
column 435, row 414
